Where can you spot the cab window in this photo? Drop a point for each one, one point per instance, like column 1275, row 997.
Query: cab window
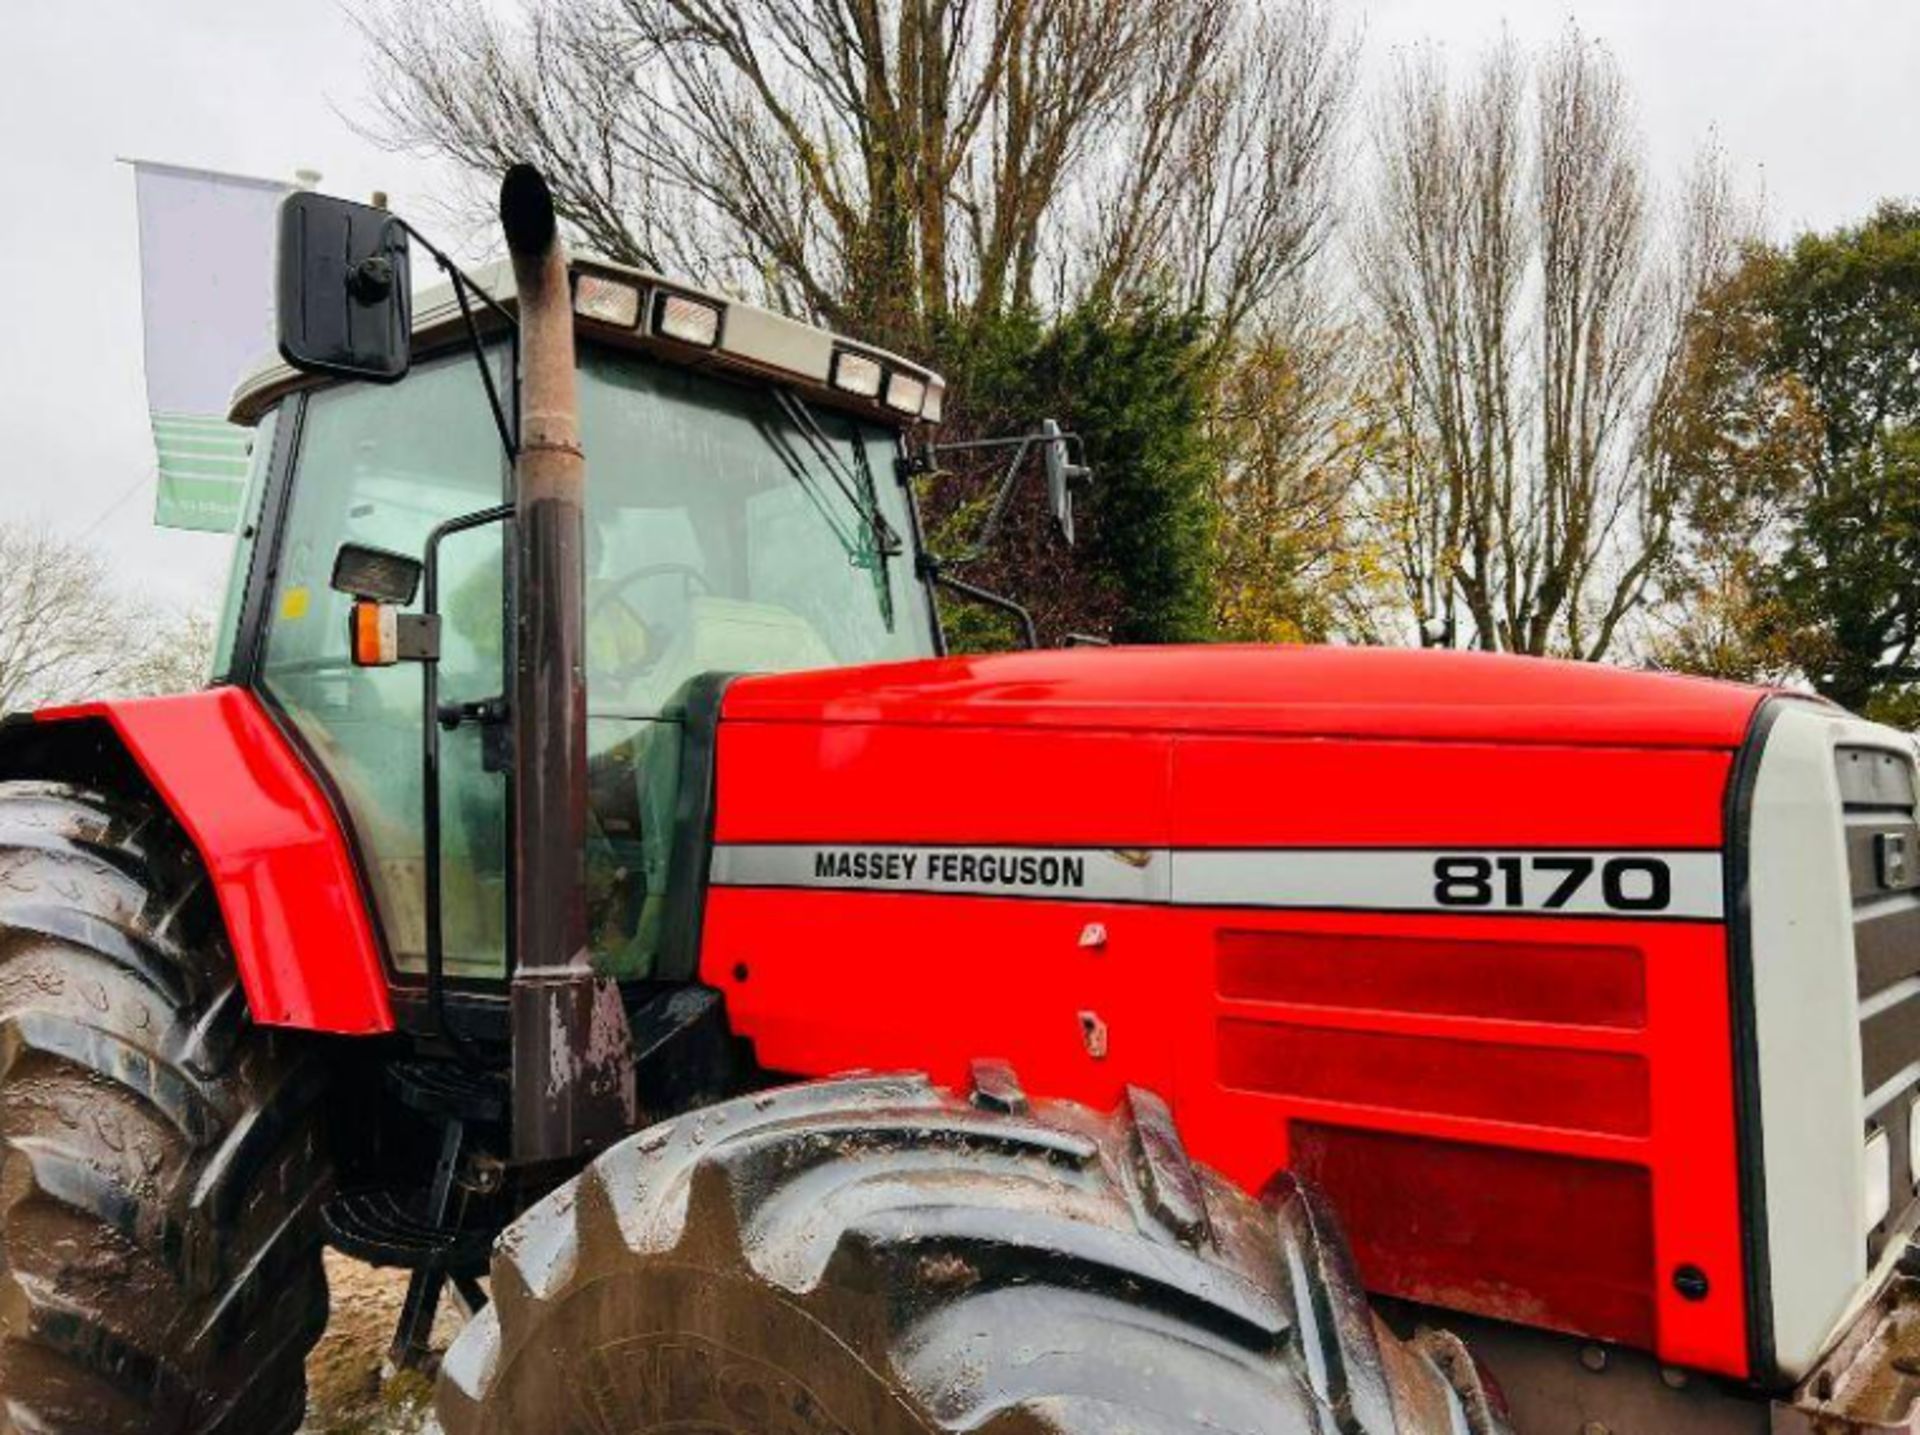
column 383, row 466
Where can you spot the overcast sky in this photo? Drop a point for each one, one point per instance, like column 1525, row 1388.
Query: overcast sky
column 1817, row 103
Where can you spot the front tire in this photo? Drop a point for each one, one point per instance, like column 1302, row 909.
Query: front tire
column 161, row 1165
column 876, row 1257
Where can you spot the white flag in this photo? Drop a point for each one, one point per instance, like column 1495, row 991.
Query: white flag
column 206, row 300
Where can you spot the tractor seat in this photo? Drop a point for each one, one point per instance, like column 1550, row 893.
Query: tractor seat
column 728, row 635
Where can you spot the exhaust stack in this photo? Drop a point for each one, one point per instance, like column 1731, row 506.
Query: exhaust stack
column 573, row 1084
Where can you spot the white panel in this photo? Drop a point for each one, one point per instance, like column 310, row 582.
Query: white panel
column 1807, row 1025
column 777, row 342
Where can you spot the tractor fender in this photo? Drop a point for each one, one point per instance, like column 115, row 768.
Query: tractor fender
column 290, row 894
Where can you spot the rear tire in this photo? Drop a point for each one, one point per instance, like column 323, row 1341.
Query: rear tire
column 161, row 1165
column 876, row 1257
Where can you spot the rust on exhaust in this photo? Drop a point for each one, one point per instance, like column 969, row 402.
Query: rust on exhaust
column 573, row 1084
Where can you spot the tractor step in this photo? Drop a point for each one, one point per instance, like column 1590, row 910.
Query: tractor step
column 377, row 1226
column 426, row 1229
column 444, row 1092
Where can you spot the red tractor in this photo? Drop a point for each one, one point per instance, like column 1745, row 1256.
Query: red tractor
column 480, row 921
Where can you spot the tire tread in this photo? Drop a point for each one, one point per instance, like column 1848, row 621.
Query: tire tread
column 197, row 1150
column 1005, row 1265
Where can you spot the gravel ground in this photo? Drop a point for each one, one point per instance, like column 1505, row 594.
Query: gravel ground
column 347, row 1391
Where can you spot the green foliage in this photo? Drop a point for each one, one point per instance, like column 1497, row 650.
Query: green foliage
column 1138, row 396
column 1847, row 308
column 1850, row 581
column 1795, row 431
column 1301, row 558
column 1846, row 315
column 973, row 627
column 1136, row 385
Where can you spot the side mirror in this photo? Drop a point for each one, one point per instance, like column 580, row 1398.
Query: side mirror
column 361, row 571
column 1063, row 471
column 344, row 288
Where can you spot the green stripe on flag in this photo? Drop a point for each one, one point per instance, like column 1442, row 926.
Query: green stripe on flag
column 203, row 472
column 216, row 465
column 189, row 467
column 202, row 448
column 206, row 505
column 196, row 421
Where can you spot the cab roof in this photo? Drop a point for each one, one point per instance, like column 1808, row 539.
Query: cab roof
column 750, row 341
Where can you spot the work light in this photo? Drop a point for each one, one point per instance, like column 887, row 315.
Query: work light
column 607, row 300
column 856, row 374
column 687, row 321
column 906, row 392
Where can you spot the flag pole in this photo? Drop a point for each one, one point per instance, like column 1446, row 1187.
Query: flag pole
column 193, row 171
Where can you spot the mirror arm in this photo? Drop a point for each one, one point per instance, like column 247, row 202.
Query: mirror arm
column 462, row 285
column 1022, row 445
column 508, row 439
column 934, row 570
column 455, row 272
column 1003, row 500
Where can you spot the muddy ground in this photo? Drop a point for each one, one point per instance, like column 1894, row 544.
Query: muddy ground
column 347, row 1391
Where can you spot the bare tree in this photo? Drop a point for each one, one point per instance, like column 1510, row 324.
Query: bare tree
column 1223, row 188
column 175, row 655
column 1528, row 299
column 59, row 626
column 67, row 633
column 891, row 164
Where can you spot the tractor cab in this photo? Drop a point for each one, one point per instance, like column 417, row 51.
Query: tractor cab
column 747, row 511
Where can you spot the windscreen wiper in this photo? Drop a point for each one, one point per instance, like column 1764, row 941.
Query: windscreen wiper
column 877, row 541
column 796, row 467
column 857, row 488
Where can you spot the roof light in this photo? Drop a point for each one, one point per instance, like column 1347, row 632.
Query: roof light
column 906, row 392
column 689, row 321
column 856, row 374
column 1879, row 1188
column 607, row 301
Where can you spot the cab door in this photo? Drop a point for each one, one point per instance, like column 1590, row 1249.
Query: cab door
column 385, row 466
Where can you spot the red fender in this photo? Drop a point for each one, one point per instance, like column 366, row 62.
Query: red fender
column 285, row 878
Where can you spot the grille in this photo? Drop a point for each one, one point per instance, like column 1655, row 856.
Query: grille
column 1878, row 797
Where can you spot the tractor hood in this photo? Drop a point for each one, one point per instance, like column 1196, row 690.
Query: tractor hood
column 1446, row 932
column 1281, row 691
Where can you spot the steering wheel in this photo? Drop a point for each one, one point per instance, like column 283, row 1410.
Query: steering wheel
column 612, row 596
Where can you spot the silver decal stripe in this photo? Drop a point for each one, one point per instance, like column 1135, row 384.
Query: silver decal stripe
column 1093, row 874
column 1654, row 884
column 1664, row 885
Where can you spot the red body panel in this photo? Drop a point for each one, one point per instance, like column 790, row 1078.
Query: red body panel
column 1306, row 692
column 1527, row 1116
column 294, row 910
